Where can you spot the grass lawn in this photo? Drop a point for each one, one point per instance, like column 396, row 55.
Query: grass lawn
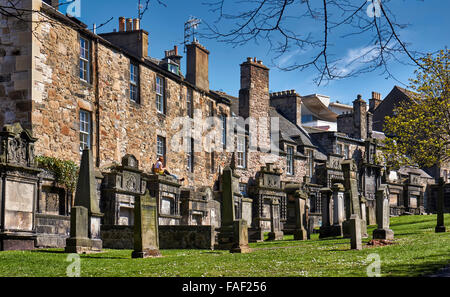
column 417, row 251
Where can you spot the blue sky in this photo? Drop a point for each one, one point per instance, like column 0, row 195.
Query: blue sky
column 428, row 31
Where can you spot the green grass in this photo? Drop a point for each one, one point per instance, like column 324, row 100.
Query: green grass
column 417, row 251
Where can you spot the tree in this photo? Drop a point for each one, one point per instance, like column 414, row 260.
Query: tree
column 293, row 27
column 419, row 132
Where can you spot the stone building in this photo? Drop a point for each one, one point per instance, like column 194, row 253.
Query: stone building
column 72, row 88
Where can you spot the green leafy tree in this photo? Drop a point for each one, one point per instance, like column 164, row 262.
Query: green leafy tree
column 419, row 131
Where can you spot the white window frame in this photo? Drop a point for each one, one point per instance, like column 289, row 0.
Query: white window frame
column 190, row 102
column 290, row 160
column 161, row 147
column 160, row 100
column 134, row 82
column 346, row 151
column 241, row 157
column 85, row 129
column 85, row 60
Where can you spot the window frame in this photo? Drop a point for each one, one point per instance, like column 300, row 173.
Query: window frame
column 346, row 151
column 85, row 134
column 190, row 102
column 290, row 160
column 134, row 84
column 160, row 94
column 85, row 60
column 161, row 140
column 241, row 152
column 310, row 163
column 223, row 119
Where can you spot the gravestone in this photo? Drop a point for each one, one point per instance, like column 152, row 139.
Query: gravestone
column 325, row 229
column 275, row 224
column 79, row 241
column 86, row 196
column 383, row 214
column 440, row 226
column 300, row 232
column 233, row 233
column 18, row 189
column 355, row 233
column 338, row 210
column 352, row 200
column 146, row 237
column 364, row 216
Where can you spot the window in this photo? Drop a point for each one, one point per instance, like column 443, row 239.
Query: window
column 161, row 147
column 173, row 68
column 308, row 118
column 213, row 162
column 310, row 163
column 84, row 59
column 211, row 108
column 290, row 160
column 224, row 130
column 346, row 152
column 160, row 100
column 241, row 152
column 134, row 81
column 190, row 103
column 339, row 149
column 190, row 155
column 85, row 130
column 243, row 189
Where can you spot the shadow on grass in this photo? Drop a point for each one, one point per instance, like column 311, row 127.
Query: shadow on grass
column 49, row 252
column 424, row 269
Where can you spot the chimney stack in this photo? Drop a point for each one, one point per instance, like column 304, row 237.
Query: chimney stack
column 121, row 24
column 130, row 37
column 197, row 65
column 375, row 101
column 173, row 55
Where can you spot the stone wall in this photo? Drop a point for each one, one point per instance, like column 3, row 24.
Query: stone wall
column 170, row 237
column 52, row 230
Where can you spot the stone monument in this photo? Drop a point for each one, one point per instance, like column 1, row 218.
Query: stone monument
column 325, row 229
column 355, row 233
column 383, row 214
column 275, row 224
column 440, row 226
column 300, row 232
column 86, row 196
column 233, row 234
column 18, row 189
column 338, row 210
column 146, row 237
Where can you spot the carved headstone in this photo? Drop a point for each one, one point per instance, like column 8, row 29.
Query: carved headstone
column 146, row 238
column 275, row 224
column 383, row 214
column 18, row 188
column 338, row 210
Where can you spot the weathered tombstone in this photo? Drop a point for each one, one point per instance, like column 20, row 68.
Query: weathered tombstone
column 353, row 205
column 355, row 233
column 275, row 224
column 146, row 237
column 338, row 209
column 300, row 232
column 383, row 214
column 440, row 226
column 364, row 216
column 79, row 241
column 18, row 189
column 233, row 234
column 325, row 229
column 86, row 196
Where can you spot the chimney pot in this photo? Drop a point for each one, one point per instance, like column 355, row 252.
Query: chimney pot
column 137, row 24
column 249, row 59
column 121, row 24
column 129, row 24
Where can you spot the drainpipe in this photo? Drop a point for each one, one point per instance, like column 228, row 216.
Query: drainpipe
column 97, row 105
